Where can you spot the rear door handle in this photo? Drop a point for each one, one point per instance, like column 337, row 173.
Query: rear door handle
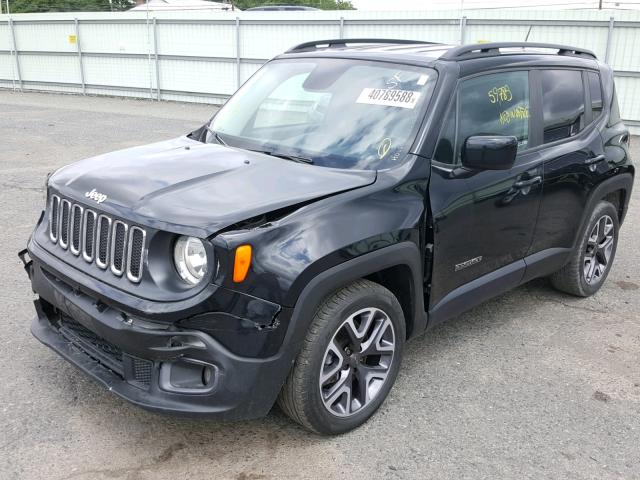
column 592, row 160
column 529, row 182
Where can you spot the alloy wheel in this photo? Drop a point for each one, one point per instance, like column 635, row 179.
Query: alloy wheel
column 598, row 250
column 357, row 362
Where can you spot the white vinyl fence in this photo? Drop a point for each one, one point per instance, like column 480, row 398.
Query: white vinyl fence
column 204, row 56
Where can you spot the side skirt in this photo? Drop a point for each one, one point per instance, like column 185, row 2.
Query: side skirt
column 477, row 291
column 497, row 282
column 545, row 262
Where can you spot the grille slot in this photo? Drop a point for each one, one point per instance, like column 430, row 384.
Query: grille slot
column 76, row 225
column 118, row 246
column 101, row 239
column 89, row 234
column 102, row 242
column 65, row 207
column 135, row 253
column 53, row 218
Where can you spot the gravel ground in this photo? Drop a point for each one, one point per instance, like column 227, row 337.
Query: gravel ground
column 533, row 384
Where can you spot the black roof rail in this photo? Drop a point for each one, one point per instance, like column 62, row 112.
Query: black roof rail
column 465, row 52
column 342, row 42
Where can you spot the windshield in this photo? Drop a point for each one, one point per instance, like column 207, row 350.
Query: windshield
column 332, row 112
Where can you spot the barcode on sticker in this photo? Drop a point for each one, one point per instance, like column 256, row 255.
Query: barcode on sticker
column 389, row 97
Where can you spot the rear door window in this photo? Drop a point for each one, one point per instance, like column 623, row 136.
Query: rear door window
column 562, row 104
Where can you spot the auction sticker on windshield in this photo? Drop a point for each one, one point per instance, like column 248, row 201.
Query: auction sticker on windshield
column 389, row 97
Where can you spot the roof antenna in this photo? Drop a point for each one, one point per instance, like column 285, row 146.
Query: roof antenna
column 526, row 39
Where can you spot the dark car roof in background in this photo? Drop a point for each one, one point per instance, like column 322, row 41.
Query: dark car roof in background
column 279, row 8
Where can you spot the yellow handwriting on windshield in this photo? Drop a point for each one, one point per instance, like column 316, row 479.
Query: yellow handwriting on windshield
column 384, row 148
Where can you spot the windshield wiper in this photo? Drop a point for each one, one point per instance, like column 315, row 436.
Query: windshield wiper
column 286, row 156
column 295, row 158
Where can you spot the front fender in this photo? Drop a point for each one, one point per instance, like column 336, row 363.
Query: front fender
column 290, row 252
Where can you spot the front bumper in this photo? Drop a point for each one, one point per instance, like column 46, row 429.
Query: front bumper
column 158, row 366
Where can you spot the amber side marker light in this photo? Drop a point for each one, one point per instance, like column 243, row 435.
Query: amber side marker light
column 242, row 263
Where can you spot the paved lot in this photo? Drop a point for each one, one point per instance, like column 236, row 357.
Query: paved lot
column 531, row 385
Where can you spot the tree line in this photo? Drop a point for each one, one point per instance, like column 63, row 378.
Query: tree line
column 36, row 6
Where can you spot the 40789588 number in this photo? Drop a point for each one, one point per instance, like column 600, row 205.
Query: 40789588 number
column 392, row 95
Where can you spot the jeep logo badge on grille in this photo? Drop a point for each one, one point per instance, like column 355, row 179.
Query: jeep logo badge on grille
column 97, row 196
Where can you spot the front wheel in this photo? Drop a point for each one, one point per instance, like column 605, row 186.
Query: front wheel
column 349, row 360
column 591, row 262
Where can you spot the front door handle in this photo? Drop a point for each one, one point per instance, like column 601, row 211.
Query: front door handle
column 529, row 182
column 592, row 160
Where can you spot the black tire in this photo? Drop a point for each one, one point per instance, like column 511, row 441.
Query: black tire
column 572, row 278
column 303, row 397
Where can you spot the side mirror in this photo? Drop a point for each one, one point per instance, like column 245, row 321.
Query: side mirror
column 491, row 152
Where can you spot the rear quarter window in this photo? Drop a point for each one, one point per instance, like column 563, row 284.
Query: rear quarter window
column 614, row 115
column 595, row 92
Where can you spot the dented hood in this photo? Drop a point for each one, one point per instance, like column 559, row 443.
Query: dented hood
column 205, row 187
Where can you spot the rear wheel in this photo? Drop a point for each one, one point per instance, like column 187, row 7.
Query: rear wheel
column 349, row 360
column 591, row 262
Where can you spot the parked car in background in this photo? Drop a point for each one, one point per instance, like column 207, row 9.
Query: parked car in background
column 349, row 197
column 280, row 8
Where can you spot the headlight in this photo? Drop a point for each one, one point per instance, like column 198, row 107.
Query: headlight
column 190, row 258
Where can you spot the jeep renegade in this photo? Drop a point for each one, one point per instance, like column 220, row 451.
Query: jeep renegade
column 350, row 196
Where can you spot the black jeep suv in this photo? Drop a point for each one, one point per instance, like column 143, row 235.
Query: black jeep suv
column 350, row 196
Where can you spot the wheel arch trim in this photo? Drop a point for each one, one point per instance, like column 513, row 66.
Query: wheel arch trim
column 326, row 282
column 619, row 182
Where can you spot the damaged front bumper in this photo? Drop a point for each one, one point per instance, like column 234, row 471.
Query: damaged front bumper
column 212, row 361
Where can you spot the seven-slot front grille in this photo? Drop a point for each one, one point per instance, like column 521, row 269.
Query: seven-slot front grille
column 109, row 243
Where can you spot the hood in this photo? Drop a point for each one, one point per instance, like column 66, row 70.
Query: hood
column 207, row 187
